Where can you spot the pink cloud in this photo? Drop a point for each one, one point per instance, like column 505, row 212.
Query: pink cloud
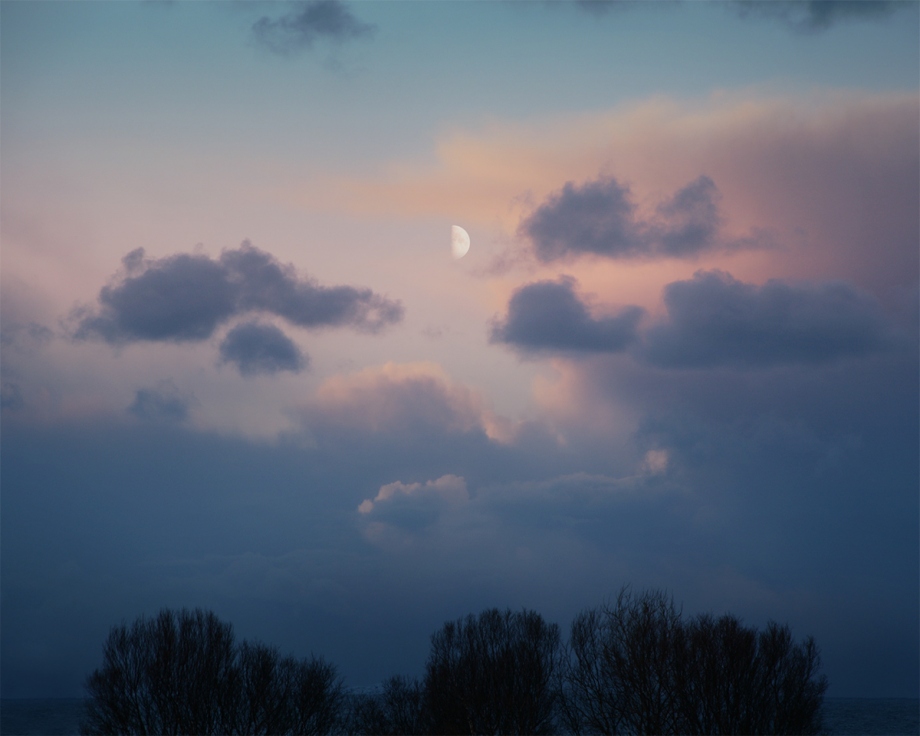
column 407, row 397
column 832, row 176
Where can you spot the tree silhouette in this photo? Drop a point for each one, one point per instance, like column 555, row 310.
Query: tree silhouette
column 400, row 708
column 493, row 674
column 632, row 666
column 181, row 673
column 636, row 667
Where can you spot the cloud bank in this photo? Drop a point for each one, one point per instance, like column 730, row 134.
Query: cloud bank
column 712, row 320
column 715, row 320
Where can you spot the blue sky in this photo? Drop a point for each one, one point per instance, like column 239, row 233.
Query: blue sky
column 242, row 371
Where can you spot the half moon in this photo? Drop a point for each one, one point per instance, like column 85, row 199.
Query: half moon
column 459, row 241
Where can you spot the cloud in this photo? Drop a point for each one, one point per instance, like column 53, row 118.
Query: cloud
column 714, row 320
column 600, row 218
column 597, row 217
column 257, row 348
column 20, row 334
column 163, row 403
column 415, row 505
column 690, row 219
column 548, row 315
column 311, row 21
column 417, row 399
column 180, row 298
column 184, row 298
column 11, row 396
column 267, row 285
column 803, row 16
column 812, row 16
column 821, row 174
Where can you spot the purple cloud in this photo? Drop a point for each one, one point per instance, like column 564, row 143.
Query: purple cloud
column 599, row 218
column 256, row 348
column 549, row 316
column 713, row 320
column 185, row 298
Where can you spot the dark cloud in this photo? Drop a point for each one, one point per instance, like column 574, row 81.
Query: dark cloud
column 163, row 403
column 690, row 219
column 257, row 348
column 599, row 218
column 311, row 21
column 267, row 285
column 714, row 320
column 185, row 298
column 548, row 315
column 180, row 298
column 816, row 15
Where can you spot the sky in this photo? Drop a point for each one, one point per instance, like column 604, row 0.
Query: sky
column 242, row 371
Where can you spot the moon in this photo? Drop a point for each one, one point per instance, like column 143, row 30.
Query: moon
column 459, row 241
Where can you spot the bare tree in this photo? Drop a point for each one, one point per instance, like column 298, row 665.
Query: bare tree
column 736, row 680
column 621, row 675
column 181, row 673
column 262, row 693
column 318, row 697
column 790, row 683
column 637, row 667
column 717, row 665
column 400, row 708
column 493, row 674
column 166, row 675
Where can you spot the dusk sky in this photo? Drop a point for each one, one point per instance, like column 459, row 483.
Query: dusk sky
column 242, row 370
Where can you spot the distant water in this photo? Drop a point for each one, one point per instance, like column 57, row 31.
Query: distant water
column 842, row 717
column 48, row 717
column 871, row 716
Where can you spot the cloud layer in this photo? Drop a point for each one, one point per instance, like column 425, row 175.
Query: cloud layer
column 184, row 298
column 164, row 402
